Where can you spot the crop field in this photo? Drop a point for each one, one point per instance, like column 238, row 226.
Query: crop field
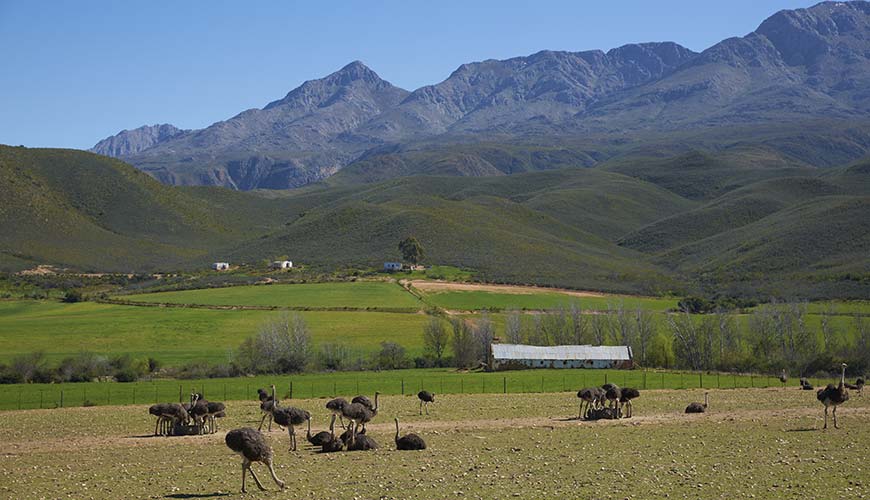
column 474, row 300
column 393, row 382
column 178, row 335
column 752, row 443
column 356, row 295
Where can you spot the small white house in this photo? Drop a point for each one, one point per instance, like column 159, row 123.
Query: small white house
column 282, row 264
column 392, row 266
column 221, row 266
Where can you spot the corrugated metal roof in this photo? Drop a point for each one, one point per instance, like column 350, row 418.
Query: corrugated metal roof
column 559, row 352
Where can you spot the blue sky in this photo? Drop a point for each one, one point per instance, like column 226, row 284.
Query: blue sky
column 75, row 72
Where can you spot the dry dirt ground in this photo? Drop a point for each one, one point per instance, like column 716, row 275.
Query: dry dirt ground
column 752, row 443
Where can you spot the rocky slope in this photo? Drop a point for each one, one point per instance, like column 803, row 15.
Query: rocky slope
column 799, row 66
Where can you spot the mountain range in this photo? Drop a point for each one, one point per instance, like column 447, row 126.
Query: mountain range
column 798, row 67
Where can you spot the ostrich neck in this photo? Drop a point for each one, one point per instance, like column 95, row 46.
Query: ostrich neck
column 375, row 409
column 397, row 430
column 843, row 378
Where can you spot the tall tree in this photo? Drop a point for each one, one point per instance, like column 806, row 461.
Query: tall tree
column 435, row 338
column 412, row 250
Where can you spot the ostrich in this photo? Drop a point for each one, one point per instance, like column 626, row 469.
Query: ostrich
column 251, row 445
column 158, row 410
column 834, row 396
column 215, row 411
column 625, row 397
column 267, row 404
column 198, row 411
column 360, row 413
column 321, row 437
column 334, row 444
column 335, row 406
column 360, row 441
column 613, row 394
column 425, row 398
column 698, row 407
column 173, row 414
column 290, row 417
column 409, row 441
column 783, row 378
column 805, row 384
column 860, row 384
column 590, row 396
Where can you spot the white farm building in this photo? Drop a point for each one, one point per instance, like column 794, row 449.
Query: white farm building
column 518, row 356
column 220, row 266
column 282, row 264
column 392, row 266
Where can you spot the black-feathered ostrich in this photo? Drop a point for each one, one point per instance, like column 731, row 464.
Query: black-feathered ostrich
column 216, row 410
column 358, row 441
column 334, row 444
column 323, row 436
column 198, row 411
column 590, row 397
column 834, row 396
column 168, row 415
column 698, row 407
column 425, row 398
column 409, row 441
column 160, row 424
column 290, row 417
column 251, row 445
column 805, row 384
column 613, row 393
column 625, row 397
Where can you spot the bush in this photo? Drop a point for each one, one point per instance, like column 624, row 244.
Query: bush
column 282, row 345
column 392, row 357
column 83, row 367
column 72, row 296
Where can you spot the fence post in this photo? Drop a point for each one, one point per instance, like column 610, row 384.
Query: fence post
column 461, row 385
column 605, row 378
column 752, row 379
column 682, row 381
column 663, row 380
column 179, row 394
column 504, row 385
column 701, row 380
column 542, row 384
column 225, row 391
column 718, row 384
column 291, row 389
column 403, row 386
column 40, row 398
column 85, row 395
column 156, row 388
column 61, row 397
column 442, row 385
column 108, row 395
column 19, row 398
column 333, row 389
column 644, row 379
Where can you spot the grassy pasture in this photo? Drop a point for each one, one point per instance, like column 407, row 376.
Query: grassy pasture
column 357, row 295
column 490, row 446
column 477, row 300
column 394, row 382
column 178, row 335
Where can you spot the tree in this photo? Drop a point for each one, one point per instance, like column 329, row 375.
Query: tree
column 513, row 328
column 646, row 329
column 72, row 296
column 435, row 338
column 281, row 345
column 464, row 345
column 484, row 333
column 412, row 250
column 392, row 357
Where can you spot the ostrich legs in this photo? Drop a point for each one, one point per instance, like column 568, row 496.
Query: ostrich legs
column 251, row 445
column 266, row 406
column 834, row 396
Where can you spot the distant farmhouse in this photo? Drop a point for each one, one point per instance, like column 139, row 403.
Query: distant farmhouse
column 281, row 264
column 392, row 266
column 221, row 266
column 398, row 266
column 517, row 356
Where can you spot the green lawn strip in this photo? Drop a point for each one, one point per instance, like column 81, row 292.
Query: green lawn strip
column 392, row 382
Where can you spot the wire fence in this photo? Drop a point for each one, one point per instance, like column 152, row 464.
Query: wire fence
column 35, row 396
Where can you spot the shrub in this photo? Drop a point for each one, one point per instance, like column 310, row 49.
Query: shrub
column 282, row 345
column 392, row 357
column 72, row 296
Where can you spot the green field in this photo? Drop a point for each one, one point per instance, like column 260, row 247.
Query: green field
column 477, row 300
column 478, row 446
column 355, row 295
column 319, row 385
column 178, row 335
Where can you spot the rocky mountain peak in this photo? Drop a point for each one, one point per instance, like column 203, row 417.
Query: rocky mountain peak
column 129, row 142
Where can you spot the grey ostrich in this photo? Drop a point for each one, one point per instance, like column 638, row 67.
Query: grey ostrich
column 860, row 384
column 783, row 377
column 323, row 436
column 267, row 404
column 589, row 396
column 360, row 414
column 215, row 410
column 335, row 406
column 425, row 398
column 834, row 396
column 625, row 397
column 290, row 417
column 409, row 441
column 158, row 410
column 698, row 407
column 805, row 384
column 251, row 445
column 334, row 444
column 613, row 393
column 360, row 441
column 198, row 411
